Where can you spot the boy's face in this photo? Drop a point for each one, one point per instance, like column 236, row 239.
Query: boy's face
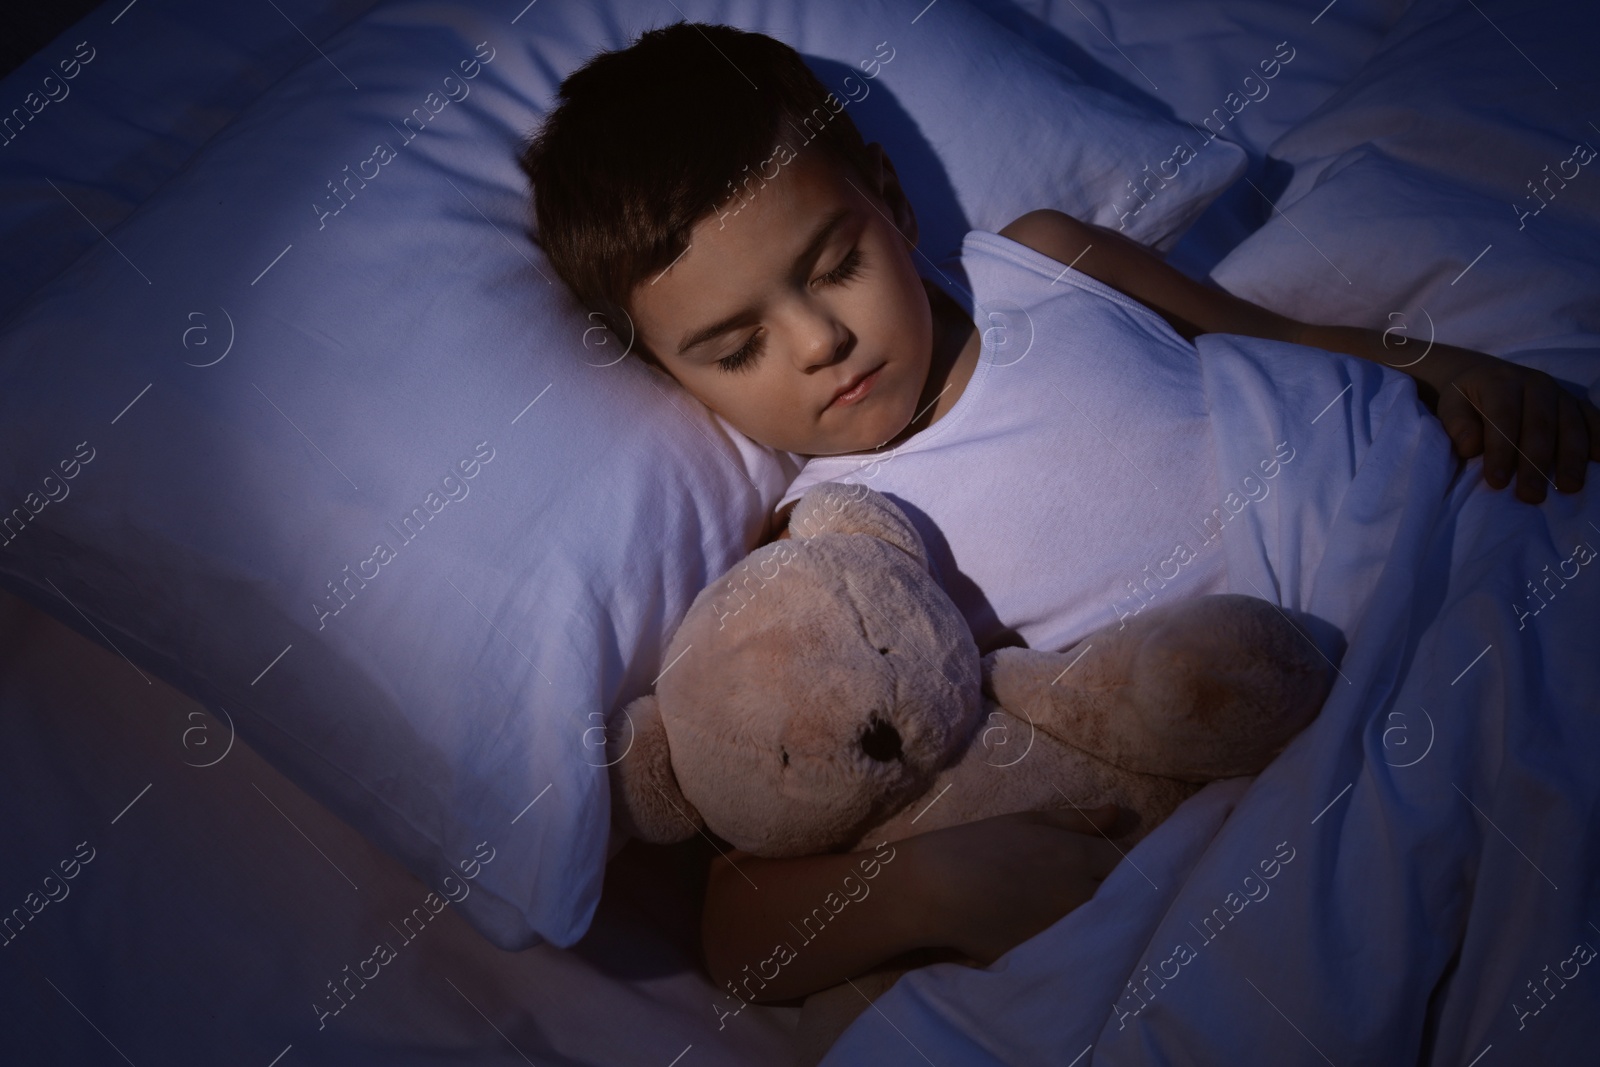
column 805, row 317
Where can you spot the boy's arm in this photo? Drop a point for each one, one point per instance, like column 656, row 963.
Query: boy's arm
column 751, row 930
column 775, row 929
column 1506, row 412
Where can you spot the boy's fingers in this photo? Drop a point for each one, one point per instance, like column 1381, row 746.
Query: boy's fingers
column 1591, row 419
column 1503, row 413
column 1462, row 424
column 1536, row 451
column 1572, row 458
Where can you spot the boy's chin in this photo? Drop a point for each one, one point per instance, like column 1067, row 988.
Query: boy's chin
column 872, row 442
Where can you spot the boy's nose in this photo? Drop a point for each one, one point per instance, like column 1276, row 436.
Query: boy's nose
column 824, row 338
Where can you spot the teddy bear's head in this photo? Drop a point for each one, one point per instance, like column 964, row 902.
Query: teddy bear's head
column 813, row 689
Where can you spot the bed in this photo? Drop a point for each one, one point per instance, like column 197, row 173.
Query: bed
column 254, row 766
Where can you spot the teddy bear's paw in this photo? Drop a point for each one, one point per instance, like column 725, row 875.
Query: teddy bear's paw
column 645, row 797
column 1222, row 700
column 1143, row 801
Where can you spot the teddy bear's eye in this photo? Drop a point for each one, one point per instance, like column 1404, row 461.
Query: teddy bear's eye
column 785, row 756
column 883, row 651
column 881, row 742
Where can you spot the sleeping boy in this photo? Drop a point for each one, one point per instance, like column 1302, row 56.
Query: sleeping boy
column 795, row 311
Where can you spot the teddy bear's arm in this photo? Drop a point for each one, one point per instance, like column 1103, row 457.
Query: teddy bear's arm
column 1196, row 689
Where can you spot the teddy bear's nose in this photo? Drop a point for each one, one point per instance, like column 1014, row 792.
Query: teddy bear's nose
column 881, row 742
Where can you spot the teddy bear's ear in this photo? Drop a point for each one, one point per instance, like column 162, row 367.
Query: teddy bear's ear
column 645, row 798
column 847, row 507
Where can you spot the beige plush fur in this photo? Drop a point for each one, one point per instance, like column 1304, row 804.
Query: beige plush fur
column 826, row 694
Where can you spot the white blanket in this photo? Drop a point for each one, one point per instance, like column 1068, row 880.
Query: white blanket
column 1413, row 879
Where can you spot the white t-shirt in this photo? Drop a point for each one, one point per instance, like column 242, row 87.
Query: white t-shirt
column 1072, row 482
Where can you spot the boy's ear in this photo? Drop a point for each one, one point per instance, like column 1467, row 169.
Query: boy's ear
column 894, row 197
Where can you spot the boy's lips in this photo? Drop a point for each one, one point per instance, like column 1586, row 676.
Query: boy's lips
column 856, row 388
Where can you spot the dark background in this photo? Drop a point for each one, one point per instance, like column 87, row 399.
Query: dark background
column 26, row 28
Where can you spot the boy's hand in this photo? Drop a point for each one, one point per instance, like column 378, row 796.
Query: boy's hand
column 1518, row 418
column 994, row 883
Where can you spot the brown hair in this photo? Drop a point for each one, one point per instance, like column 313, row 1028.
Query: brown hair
column 648, row 140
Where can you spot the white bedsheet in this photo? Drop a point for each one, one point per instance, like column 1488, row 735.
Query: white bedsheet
column 220, row 900
column 1428, row 838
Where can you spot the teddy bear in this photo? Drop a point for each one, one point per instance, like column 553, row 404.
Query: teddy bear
column 826, row 694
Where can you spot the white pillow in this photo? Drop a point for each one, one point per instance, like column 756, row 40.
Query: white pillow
column 1264, row 65
column 1261, row 66
column 1389, row 245
column 110, row 128
column 1034, row 135
column 351, row 468
column 1415, row 205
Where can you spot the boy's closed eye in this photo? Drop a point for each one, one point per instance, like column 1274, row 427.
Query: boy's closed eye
column 847, row 270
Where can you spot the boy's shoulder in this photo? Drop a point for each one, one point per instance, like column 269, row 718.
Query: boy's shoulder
column 1051, row 233
column 1120, row 263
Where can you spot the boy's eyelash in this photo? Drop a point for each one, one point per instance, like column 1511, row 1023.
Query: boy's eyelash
column 845, row 271
column 746, row 356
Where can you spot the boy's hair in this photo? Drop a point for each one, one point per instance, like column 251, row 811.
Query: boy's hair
column 648, row 140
